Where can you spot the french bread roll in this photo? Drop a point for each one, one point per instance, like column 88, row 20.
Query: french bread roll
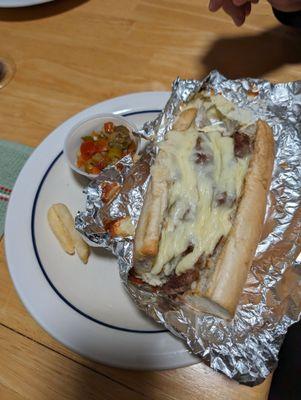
column 204, row 209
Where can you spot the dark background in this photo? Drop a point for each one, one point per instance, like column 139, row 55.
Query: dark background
column 286, row 384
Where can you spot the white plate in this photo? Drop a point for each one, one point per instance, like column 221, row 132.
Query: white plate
column 21, row 3
column 84, row 307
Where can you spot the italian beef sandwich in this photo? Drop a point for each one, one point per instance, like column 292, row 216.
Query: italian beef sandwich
column 205, row 204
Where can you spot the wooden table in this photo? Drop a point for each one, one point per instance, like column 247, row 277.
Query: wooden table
column 69, row 55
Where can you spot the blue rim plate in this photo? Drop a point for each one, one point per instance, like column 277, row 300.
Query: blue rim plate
column 84, row 307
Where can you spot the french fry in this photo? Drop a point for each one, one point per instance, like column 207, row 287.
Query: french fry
column 60, row 231
column 81, row 247
column 66, row 219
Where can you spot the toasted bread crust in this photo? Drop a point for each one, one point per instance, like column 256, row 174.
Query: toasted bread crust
column 149, row 226
column 109, row 191
column 230, row 270
column 148, row 231
column 122, row 227
column 185, row 119
column 233, row 265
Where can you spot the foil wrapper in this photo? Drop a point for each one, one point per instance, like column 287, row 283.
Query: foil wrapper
column 246, row 348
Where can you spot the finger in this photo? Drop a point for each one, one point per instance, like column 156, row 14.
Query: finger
column 248, row 8
column 215, row 5
column 242, row 2
column 237, row 13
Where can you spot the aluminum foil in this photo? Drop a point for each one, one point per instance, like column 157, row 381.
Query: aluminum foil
column 245, row 349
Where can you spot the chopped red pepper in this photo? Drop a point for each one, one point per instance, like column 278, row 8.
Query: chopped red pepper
column 87, row 149
column 102, row 145
column 100, row 149
column 109, row 127
column 80, row 161
column 101, row 165
column 95, row 170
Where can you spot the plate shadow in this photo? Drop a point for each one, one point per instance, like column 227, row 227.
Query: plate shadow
column 39, row 11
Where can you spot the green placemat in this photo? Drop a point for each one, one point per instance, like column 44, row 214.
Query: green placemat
column 12, row 158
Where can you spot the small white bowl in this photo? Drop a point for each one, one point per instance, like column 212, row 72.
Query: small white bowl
column 86, row 127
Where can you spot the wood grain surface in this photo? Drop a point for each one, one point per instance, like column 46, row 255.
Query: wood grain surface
column 70, row 54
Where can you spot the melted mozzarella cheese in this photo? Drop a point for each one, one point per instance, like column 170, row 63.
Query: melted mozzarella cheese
column 194, row 218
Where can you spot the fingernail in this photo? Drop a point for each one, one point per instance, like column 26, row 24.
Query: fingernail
column 239, row 21
column 212, row 5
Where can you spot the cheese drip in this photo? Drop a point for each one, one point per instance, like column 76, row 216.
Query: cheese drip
column 194, row 216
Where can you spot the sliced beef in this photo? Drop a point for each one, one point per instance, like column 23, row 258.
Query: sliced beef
column 201, row 156
column 188, row 250
column 224, row 199
column 242, row 144
column 179, row 284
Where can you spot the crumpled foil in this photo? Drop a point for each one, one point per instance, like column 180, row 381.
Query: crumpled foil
column 246, row 348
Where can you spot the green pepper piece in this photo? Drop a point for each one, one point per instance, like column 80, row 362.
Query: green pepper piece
column 87, row 138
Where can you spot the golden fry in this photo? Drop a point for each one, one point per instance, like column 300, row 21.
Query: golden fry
column 81, row 247
column 60, row 231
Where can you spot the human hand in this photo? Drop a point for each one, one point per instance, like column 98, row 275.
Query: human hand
column 237, row 9
column 281, row 5
column 240, row 9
